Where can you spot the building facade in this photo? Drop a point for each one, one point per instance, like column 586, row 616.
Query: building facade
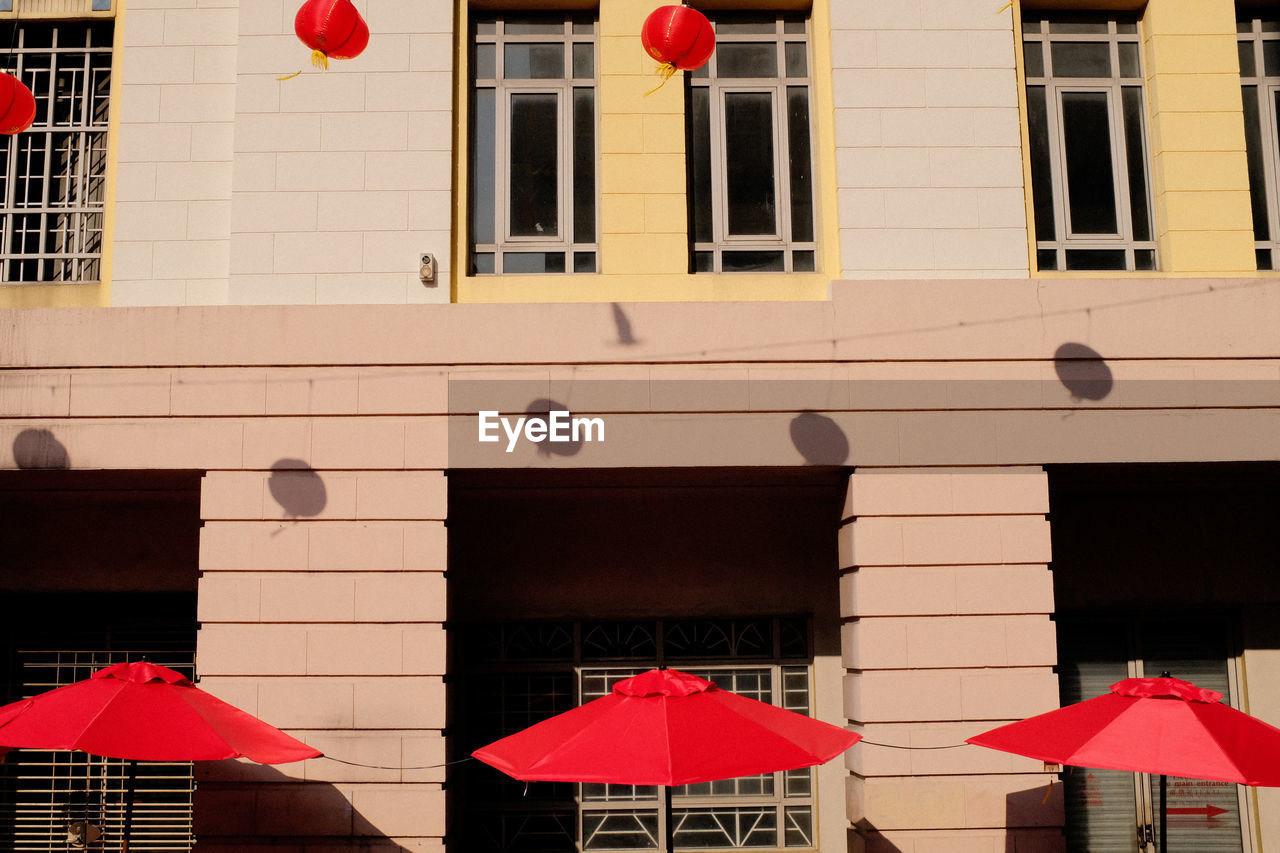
column 923, row 356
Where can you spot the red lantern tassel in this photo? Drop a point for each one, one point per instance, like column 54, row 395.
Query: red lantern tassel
column 665, row 71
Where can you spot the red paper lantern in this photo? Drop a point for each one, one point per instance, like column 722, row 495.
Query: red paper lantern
column 331, row 28
column 17, row 105
column 678, row 37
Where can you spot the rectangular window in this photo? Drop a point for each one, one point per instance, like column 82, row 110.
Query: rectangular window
column 750, row 151
column 517, row 674
column 53, row 178
column 1106, row 808
column 533, row 145
column 1087, row 128
column 1259, row 45
column 48, row 798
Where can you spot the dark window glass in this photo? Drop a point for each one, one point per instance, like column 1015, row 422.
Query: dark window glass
column 747, row 60
column 533, row 26
column 1264, row 259
column 1073, row 26
column 1271, row 58
column 749, row 163
column 1130, row 65
column 1081, row 59
column 1046, row 259
column 1136, row 161
column 699, row 106
column 1248, row 61
column 1090, row 171
column 482, row 262
column 797, row 60
column 584, row 165
column 801, row 164
column 532, row 262
column 533, row 61
column 584, row 61
column 486, row 61
column 1255, row 154
column 1041, row 168
column 803, row 261
column 1095, row 259
column 584, row 261
column 1033, row 58
column 534, row 174
column 1144, row 259
column 704, row 262
column 746, row 24
column 752, row 262
column 482, row 161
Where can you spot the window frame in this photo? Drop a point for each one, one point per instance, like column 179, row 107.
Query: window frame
column 565, row 239
column 778, row 87
column 82, row 205
column 1267, row 91
column 1054, row 252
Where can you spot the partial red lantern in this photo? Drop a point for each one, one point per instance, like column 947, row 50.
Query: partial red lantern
column 332, row 29
column 678, row 37
column 17, row 105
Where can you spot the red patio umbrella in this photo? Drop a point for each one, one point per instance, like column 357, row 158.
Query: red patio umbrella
column 143, row 712
column 665, row 727
column 1150, row 725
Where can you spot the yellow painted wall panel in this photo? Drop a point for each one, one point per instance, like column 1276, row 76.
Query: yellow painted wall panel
column 1208, row 211
column 1194, row 93
column 622, row 213
column 1222, row 131
column 651, row 253
column 1190, row 17
column 664, row 134
column 642, row 173
column 665, row 214
column 1210, row 252
column 53, row 296
column 624, row 55
column 1222, row 171
column 1192, row 54
column 621, row 133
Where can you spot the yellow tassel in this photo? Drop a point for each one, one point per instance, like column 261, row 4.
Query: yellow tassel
column 1005, row 6
column 290, row 76
column 1048, row 792
column 319, row 59
column 665, row 71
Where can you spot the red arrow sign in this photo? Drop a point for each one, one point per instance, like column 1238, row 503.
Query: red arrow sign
column 1206, row 811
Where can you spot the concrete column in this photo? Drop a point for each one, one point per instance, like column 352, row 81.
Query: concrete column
column 321, row 603
column 945, row 597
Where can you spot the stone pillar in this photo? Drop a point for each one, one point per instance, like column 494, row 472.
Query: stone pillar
column 321, row 604
column 946, row 596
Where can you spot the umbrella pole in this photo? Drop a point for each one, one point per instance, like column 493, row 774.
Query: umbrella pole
column 671, row 821
column 1164, row 814
column 131, row 777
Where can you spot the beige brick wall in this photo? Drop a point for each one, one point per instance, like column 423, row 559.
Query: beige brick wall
column 342, row 178
column 946, row 594
column 173, row 190
column 927, row 134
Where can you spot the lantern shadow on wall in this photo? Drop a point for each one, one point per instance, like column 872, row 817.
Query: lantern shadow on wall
column 297, row 488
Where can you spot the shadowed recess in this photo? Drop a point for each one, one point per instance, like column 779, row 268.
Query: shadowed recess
column 819, row 439
column 38, row 448
column 1083, row 371
column 297, row 487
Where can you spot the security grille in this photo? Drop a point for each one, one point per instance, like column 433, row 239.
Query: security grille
column 68, row 801
column 53, row 178
column 517, row 674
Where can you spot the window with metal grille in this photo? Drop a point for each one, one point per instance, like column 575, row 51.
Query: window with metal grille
column 514, row 675
column 48, row 799
column 1086, row 125
column 750, row 148
column 53, row 176
column 533, row 144
column 1259, row 45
